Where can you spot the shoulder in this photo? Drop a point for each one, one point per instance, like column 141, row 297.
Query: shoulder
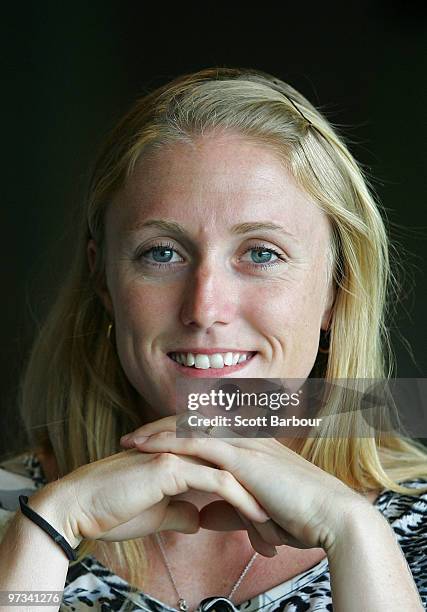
column 411, row 508
column 407, row 513
column 407, row 516
column 20, row 475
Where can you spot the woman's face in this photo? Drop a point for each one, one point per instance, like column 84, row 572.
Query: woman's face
column 212, row 279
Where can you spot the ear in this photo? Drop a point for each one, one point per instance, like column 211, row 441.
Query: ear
column 102, row 290
column 327, row 314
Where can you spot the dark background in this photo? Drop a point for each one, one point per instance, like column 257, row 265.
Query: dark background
column 71, row 69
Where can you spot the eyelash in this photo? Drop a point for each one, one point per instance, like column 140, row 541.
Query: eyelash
column 168, row 245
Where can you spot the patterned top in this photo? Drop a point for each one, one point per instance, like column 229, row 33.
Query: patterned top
column 91, row 586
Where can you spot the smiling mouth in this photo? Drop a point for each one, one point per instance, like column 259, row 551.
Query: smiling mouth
column 203, row 362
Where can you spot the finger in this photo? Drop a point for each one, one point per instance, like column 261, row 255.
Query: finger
column 271, row 532
column 214, row 450
column 220, row 516
column 172, row 423
column 258, row 544
column 181, row 516
column 178, row 476
column 148, row 429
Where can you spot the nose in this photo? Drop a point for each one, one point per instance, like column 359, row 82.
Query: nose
column 210, row 297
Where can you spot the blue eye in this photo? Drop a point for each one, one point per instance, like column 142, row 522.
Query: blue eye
column 162, row 255
column 261, row 254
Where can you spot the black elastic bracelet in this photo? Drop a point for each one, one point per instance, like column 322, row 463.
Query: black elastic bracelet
column 38, row 520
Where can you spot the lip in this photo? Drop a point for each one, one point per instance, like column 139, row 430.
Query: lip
column 209, row 372
column 210, row 351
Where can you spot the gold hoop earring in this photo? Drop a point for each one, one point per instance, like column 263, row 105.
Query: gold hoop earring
column 109, row 328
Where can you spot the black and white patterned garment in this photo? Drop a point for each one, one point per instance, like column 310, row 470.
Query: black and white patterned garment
column 91, row 586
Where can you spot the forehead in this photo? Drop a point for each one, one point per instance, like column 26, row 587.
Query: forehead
column 211, row 184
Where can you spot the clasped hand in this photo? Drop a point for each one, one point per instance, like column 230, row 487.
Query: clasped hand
column 306, row 505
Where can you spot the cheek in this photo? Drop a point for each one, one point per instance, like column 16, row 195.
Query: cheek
column 137, row 311
column 289, row 317
column 140, row 318
column 283, row 307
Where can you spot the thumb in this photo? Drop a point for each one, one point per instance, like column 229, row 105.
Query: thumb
column 220, row 516
column 180, row 516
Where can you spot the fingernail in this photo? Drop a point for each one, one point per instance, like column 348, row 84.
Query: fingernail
column 125, row 438
column 140, row 439
column 264, row 516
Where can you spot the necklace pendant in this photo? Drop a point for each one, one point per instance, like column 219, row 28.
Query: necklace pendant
column 182, row 605
column 216, row 604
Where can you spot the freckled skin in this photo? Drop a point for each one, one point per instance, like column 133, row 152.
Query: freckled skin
column 215, row 297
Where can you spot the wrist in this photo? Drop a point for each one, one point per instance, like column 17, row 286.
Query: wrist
column 53, row 504
column 355, row 518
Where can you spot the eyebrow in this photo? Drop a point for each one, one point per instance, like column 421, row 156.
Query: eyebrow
column 238, row 229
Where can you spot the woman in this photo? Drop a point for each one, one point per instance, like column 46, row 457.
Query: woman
column 225, row 216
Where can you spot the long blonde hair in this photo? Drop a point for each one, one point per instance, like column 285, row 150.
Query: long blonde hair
column 75, row 398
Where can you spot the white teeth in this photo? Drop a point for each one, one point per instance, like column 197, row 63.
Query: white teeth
column 190, row 359
column 216, row 360
column 202, row 361
column 228, row 359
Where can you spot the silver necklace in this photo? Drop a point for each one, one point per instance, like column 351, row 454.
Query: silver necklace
column 182, row 604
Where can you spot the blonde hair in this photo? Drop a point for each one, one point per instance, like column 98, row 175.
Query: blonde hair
column 75, row 397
